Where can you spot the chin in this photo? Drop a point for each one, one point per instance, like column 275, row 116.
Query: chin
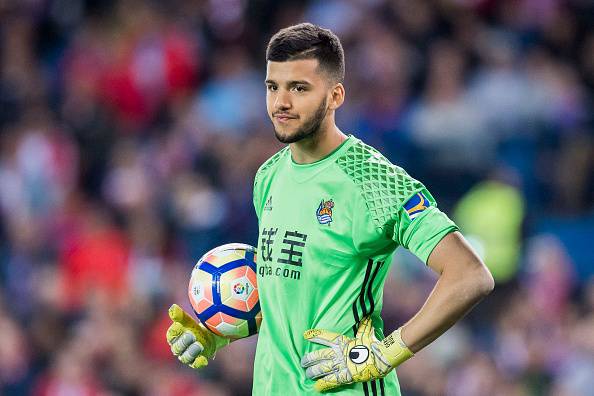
column 284, row 137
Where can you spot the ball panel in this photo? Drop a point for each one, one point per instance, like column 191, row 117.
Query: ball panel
column 237, row 304
column 218, row 260
column 243, row 330
column 200, row 290
column 213, row 322
column 233, row 327
column 232, row 274
column 252, row 277
column 252, row 300
column 235, row 288
column 225, row 292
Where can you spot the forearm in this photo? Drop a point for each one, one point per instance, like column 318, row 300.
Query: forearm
column 452, row 297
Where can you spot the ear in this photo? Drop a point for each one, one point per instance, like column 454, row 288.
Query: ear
column 336, row 96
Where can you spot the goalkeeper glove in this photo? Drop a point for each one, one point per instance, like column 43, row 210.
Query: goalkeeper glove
column 348, row 360
column 190, row 341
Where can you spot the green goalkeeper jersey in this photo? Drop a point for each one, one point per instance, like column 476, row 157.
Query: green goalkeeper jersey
column 327, row 231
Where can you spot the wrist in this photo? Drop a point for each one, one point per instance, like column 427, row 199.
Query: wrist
column 221, row 342
column 394, row 349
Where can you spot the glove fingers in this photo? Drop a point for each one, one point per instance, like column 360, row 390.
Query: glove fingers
column 316, row 356
column 190, row 354
column 321, row 370
column 174, row 331
column 324, row 337
column 206, row 339
column 200, row 362
column 182, row 343
column 177, row 314
column 331, row 381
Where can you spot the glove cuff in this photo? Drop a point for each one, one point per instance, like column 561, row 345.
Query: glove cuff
column 394, row 349
column 211, row 341
column 221, row 342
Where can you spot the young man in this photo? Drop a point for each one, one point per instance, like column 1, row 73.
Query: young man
column 331, row 212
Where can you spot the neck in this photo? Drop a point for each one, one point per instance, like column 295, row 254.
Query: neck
column 317, row 146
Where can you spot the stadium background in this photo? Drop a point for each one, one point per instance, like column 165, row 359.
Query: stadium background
column 131, row 131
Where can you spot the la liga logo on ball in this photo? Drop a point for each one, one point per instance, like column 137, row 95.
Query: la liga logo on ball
column 240, row 288
column 224, row 293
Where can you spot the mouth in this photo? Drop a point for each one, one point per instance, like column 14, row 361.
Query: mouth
column 284, row 118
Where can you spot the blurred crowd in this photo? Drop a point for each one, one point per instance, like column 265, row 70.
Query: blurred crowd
column 130, row 132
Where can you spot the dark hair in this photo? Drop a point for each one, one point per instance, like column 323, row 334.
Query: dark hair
column 308, row 41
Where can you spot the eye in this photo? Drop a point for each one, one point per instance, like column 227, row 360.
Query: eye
column 299, row 88
column 271, row 87
column 359, row 354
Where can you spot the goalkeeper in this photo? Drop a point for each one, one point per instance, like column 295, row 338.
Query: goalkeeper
column 331, row 212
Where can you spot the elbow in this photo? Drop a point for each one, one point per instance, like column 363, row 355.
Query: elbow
column 484, row 281
column 477, row 280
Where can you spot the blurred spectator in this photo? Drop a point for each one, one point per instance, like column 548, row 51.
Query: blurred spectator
column 491, row 215
column 233, row 98
column 445, row 123
column 95, row 259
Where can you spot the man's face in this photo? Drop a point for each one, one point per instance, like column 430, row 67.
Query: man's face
column 296, row 98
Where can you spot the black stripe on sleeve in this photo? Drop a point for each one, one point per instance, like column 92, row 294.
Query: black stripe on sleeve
column 373, row 388
column 381, row 381
column 365, row 389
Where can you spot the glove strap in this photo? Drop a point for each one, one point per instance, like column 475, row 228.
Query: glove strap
column 395, row 350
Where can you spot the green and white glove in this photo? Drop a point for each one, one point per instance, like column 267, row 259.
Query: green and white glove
column 190, row 341
column 347, row 360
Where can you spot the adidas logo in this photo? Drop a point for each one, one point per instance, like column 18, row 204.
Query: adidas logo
column 268, row 204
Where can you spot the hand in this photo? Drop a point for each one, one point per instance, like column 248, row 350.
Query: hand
column 190, row 341
column 348, row 360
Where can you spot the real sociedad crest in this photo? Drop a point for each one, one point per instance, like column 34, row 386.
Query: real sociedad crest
column 324, row 212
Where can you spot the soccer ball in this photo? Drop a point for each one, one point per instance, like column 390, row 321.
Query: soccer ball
column 223, row 291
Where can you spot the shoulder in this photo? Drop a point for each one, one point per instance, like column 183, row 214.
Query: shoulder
column 263, row 176
column 268, row 166
column 383, row 186
column 270, row 163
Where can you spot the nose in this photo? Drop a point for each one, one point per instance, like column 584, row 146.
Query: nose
column 283, row 100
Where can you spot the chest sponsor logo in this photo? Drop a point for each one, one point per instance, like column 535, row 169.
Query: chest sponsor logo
column 281, row 254
column 324, row 212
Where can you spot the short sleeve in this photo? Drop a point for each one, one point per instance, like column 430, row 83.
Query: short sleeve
column 257, row 200
column 420, row 225
column 392, row 207
column 368, row 238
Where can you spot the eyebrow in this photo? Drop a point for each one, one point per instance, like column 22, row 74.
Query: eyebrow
column 290, row 83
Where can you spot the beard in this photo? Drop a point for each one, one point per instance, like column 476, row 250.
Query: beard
column 309, row 129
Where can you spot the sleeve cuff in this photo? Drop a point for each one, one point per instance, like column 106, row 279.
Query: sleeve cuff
column 427, row 231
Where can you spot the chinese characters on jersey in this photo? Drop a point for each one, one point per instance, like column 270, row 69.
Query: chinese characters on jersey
column 285, row 262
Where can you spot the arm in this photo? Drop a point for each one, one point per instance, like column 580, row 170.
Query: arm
column 463, row 282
